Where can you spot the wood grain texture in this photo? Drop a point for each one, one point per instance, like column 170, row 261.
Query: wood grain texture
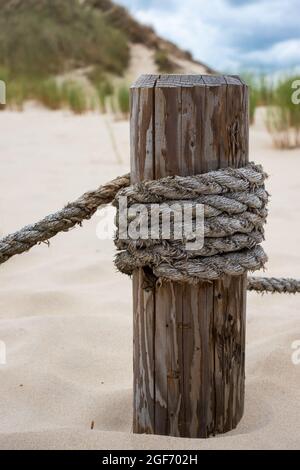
column 142, row 146
column 189, row 341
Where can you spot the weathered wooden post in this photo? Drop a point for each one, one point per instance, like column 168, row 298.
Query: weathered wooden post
column 189, row 341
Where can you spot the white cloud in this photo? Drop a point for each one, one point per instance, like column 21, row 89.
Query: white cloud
column 281, row 55
column 228, row 34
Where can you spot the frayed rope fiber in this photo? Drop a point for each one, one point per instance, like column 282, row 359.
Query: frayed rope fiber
column 272, row 284
column 62, row 221
column 235, row 211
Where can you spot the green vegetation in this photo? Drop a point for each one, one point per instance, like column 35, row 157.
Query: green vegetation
column 260, row 92
column 66, row 94
column 283, row 116
column 253, row 95
column 49, row 94
column 43, row 39
column 16, row 94
column 105, row 89
column 119, row 18
column 164, row 64
column 40, row 38
column 123, row 100
column 103, row 85
column 265, row 90
column 74, row 97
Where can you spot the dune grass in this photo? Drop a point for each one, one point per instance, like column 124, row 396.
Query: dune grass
column 47, row 92
column 118, row 17
column 18, row 90
column 123, row 100
column 283, row 116
column 253, row 95
column 105, row 89
column 69, row 94
column 103, row 85
column 16, row 94
column 74, row 97
column 164, row 64
column 260, row 92
column 41, row 38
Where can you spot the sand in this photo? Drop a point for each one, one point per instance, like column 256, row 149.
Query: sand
column 143, row 61
column 66, row 314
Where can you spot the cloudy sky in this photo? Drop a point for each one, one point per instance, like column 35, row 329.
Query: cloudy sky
column 229, row 35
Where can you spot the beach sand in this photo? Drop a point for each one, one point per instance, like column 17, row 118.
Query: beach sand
column 66, row 314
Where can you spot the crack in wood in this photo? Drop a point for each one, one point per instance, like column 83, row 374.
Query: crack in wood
column 189, row 341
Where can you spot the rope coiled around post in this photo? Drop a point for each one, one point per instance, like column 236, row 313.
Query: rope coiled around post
column 235, row 211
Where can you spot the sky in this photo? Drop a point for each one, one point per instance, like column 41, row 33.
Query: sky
column 228, row 35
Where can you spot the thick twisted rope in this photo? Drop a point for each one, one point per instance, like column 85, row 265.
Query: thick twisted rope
column 232, row 187
column 197, row 269
column 230, row 181
column 62, row 221
column 273, row 284
column 235, row 212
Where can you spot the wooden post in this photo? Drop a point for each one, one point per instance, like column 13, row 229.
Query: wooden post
column 189, row 341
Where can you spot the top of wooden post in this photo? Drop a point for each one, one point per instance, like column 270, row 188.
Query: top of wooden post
column 176, row 80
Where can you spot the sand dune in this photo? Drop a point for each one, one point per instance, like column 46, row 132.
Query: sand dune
column 66, row 314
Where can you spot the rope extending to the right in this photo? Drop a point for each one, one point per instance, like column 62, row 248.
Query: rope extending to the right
column 280, row 285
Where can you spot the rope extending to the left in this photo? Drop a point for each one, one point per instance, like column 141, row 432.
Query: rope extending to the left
column 246, row 209
column 62, row 221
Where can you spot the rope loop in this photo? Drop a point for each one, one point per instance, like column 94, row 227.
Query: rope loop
column 234, row 212
column 151, row 225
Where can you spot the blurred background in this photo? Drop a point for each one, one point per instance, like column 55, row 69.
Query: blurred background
column 82, row 54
